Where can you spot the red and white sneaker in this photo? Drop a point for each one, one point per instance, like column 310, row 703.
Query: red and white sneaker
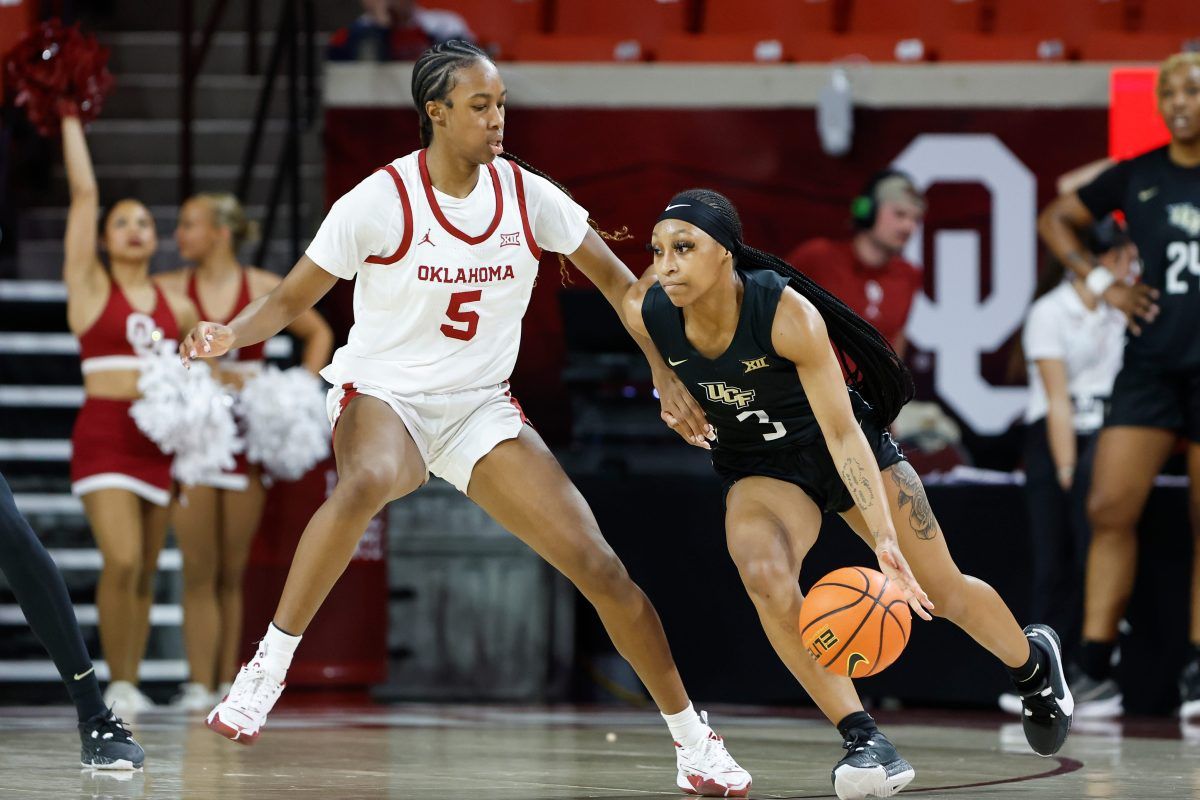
column 708, row 770
column 241, row 715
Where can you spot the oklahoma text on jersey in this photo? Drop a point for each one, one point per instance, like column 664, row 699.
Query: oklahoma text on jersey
column 465, row 274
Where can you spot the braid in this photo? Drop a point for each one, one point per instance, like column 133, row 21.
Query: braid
column 433, row 79
column 868, row 359
column 618, row 235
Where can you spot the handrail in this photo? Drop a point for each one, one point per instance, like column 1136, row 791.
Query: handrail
column 295, row 29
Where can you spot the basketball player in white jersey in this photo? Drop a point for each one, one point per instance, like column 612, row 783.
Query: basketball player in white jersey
column 444, row 245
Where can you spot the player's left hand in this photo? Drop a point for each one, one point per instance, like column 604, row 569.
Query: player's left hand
column 681, row 412
column 895, row 567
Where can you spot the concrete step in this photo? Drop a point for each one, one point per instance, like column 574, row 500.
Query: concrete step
column 49, row 223
column 159, row 52
column 153, row 97
column 119, row 142
column 158, row 184
column 151, row 16
column 42, row 260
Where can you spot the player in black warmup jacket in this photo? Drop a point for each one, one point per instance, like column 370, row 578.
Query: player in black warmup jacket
column 750, row 338
column 1156, row 397
column 105, row 743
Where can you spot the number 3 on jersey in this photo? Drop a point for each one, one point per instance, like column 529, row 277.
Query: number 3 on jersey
column 1183, row 255
column 468, row 317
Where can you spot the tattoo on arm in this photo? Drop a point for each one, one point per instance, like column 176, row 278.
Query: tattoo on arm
column 855, row 478
column 912, row 496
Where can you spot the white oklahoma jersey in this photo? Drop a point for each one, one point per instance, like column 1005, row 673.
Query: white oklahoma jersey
column 441, row 286
column 442, row 282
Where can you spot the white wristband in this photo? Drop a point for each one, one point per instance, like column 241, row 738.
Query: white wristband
column 1098, row 281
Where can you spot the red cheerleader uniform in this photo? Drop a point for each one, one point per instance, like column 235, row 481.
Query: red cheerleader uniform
column 108, row 451
column 246, row 360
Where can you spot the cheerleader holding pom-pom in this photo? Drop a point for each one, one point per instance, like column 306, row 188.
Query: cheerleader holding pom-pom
column 122, row 319
column 219, row 510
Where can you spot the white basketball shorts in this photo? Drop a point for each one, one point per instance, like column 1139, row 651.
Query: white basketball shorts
column 452, row 430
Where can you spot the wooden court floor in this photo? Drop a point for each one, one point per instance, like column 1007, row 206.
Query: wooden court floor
column 445, row 752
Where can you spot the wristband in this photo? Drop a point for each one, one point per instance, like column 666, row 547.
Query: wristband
column 1098, row 281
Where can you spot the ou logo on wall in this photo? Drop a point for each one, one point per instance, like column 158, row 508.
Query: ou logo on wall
column 957, row 324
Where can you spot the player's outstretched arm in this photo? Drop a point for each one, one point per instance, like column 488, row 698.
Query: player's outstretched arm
column 799, row 335
column 614, row 280
column 268, row 315
column 1059, row 225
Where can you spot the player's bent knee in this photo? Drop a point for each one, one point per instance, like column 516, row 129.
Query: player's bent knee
column 600, row 573
column 950, row 602
column 369, row 486
column 768, row 582
column 1109, row 513
column 122, row 571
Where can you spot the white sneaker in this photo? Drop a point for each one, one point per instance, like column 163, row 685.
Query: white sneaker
column 707, row 769
column 125, row 697
column 193, row 697
column 242, row 713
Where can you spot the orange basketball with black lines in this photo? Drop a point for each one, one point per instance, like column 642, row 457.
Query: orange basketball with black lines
column 855, row 622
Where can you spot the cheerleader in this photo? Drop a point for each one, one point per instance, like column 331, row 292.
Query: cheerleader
column 217, row 517
column 122, row 318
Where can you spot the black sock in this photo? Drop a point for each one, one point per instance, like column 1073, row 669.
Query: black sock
column 85, row 694
column 1096, row 659
column 42, row 595
column 859, row 720
column 1033, row 675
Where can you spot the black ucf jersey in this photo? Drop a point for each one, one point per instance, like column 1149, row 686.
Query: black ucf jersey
column 751, row 395
column 1161, row 201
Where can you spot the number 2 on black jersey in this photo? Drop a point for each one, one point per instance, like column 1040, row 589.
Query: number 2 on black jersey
column 1182, row 255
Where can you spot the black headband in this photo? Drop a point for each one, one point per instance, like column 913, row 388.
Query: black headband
column 704, row 217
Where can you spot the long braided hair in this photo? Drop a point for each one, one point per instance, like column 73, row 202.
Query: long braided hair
column 871, row 365
column 434, row 77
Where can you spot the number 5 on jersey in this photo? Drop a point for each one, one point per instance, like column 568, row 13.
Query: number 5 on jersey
column 467, row 317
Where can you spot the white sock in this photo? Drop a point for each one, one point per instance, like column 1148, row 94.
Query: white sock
column 275, row 651
column 686, row 727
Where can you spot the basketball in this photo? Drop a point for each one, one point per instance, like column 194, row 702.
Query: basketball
column 855, row 622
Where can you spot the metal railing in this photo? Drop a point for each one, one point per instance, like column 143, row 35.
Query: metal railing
column 295, row 43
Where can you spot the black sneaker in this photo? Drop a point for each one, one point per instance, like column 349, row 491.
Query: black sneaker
column 870, row 768
column 1189, row 691
column 1047, row 717
column 105, row 743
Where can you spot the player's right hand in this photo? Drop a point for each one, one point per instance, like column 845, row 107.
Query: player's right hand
column 1136, row 301
column 206, row 340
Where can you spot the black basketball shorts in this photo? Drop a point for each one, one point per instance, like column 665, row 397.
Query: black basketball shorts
column 1149, row 396
column 808, row 466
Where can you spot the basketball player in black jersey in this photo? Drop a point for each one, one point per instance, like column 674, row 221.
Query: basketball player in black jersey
column 750, row 338
column 105, row 742
column 1156, row 396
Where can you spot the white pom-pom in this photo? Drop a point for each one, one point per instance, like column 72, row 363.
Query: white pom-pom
column 187, row 414
column 287, row 430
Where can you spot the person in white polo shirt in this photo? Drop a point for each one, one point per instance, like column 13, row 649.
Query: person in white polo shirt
column 1073, row 344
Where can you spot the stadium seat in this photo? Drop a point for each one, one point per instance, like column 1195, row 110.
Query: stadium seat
column 961, row 46
column 1114, row 46
column 1170, row 16
column 769, row 17
column 497, row 23
column 855, row 47
column 644, row 20
column 914, row 26
column 721, row 48
column 566, row 47
column 1067, row 21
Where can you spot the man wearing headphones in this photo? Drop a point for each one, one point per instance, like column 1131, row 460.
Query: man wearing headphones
column 866, row 271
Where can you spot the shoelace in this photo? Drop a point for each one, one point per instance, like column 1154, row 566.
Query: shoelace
column 1042, row 706
column 857, row 740
column 250, row 692
column 109, row 727
column 712, row 751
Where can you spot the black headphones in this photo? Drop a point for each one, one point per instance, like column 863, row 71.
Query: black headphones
column 865, row 207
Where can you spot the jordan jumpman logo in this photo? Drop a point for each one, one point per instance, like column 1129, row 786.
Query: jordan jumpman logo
column 426, row 240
